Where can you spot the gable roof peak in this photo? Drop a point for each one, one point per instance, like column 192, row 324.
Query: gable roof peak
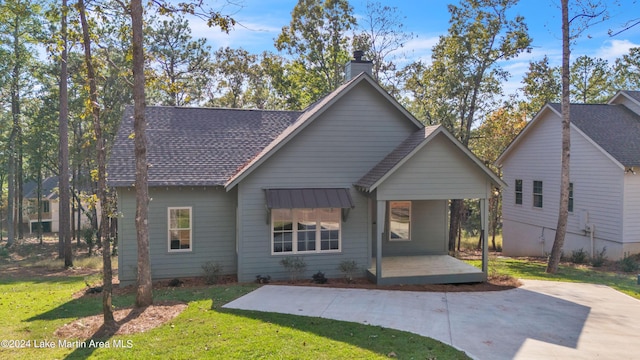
column 308, row 116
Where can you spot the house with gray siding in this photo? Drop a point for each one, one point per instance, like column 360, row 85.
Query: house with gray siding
column 354, row 177
column 604, row 201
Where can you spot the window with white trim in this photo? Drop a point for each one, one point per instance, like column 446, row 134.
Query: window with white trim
column 305, row 230
column 570, row 197
column 537, row 193
column 518, row 191
column 180, row 229
column 399, row 220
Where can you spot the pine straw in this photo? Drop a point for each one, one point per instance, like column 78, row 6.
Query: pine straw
column 128, row 321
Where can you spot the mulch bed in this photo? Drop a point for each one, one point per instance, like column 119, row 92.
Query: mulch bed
column 128, row 320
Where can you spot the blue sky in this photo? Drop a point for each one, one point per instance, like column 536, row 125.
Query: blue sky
column 262, row 20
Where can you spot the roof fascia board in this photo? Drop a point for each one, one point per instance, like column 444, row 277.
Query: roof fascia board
column 307, row 118
column 476, row 160
column 496, row 179
column 623, row 94
column 598, row 147
column 514, row 143
column 405, row 159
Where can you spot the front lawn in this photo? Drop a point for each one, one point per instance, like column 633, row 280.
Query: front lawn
column 534, row 268
column 32, row 309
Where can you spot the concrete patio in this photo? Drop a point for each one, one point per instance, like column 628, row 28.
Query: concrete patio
column 540, row 320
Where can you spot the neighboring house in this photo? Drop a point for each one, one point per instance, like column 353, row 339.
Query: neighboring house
column 247, row 188
column 50, row 206
column 604, row 201
column 48, row 203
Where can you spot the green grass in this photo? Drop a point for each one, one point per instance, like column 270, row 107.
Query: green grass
column 33, row 309
column 83, row 262
column 535, row 269
column 471, row 242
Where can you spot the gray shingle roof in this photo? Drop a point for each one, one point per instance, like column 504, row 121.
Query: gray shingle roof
column 194, row 146
column 394, row 157
column 633, row 94
column 615, row 128
column 49, row 188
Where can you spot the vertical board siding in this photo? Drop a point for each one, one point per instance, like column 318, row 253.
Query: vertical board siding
column 213, row 232
column 428, row 231
column 439, row 170
column 336, row 150
column 597, row 184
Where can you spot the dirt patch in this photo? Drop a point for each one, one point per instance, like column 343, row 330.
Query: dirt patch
column 128, row 320
column 15, row 272
column 22, row 259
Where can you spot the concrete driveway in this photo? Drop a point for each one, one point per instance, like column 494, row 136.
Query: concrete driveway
column 540, row 320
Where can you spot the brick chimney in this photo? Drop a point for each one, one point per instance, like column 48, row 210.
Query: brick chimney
column 357, row 66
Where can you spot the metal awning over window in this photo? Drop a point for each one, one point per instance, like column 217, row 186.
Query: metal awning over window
column 315, row 198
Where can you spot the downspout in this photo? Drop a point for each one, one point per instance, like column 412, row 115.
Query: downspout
column 542, row 241
column 591, row 229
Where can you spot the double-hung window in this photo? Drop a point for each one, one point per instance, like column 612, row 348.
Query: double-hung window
column 180, row 229
column 537, row 193
column 570, row 197
column 305, row 230
column 518, row 191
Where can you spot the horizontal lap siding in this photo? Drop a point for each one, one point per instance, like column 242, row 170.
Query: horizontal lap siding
column 632, row 208
column 439, row 170
column 537, row 157
column 213, row 232
column 335, row 151
column 596, row 179
column 598, row 188
column 428, row 231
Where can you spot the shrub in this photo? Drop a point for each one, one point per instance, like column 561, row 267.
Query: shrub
column 319, row 278
column 89, row 237
column 4, row 253
column 600, row 258
column 294, row 266
column 579, row 256
column 263, row 279
column 628, row 263
column 349, row 268
column 211, row 272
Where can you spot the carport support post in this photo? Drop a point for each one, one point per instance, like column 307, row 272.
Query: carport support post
column 380, row 221
column 484, row 218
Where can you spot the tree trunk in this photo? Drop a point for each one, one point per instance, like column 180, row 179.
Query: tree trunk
column 39, row 205
column 13, row 139
column 1, row 193
column 144, row 295
column 563, row 213
column 64, row 232
column 454, row 223
column 107, row 274
column 11, row 192
column 19, row 185
column 494, row 212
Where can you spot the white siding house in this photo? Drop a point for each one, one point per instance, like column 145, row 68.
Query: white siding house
column 50, row 214
column 605, row 201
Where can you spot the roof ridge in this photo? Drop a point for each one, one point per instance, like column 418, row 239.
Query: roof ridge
column 216, row 108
